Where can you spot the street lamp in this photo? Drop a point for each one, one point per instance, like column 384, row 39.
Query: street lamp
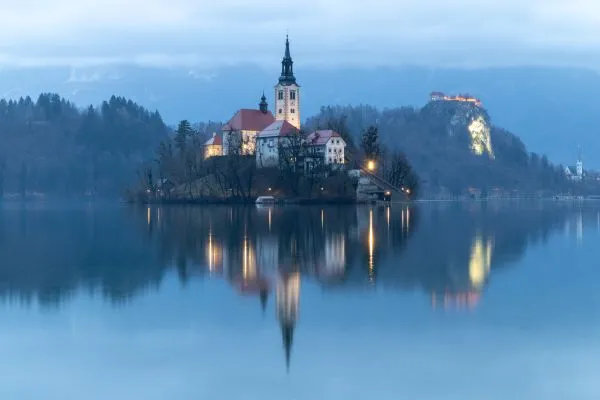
column 371, row 165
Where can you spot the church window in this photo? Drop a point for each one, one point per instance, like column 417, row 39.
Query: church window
column 280, row 111
column 330, row 150
column 292, row 95
column 293, row 110
column 280, row 95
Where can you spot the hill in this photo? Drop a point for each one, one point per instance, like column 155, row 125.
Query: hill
column 454, row 147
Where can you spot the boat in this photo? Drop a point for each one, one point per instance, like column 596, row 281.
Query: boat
column 265, row 200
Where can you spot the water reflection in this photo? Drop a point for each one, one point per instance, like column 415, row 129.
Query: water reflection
column 448, row 252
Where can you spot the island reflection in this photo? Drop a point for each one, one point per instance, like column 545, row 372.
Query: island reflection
column 448, row 251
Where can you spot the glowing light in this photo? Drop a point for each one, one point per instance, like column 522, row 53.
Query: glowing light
column 371, row 247
column 481, row 141
column 371, row 165
column 437, row 96
column 269, row 189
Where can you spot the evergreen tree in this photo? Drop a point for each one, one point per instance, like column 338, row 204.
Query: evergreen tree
column 370, row 142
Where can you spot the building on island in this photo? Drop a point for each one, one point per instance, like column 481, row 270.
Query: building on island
column 325, row 147
column 213, row 146
column 239, row 133
column 263, row 134
column 287, row 91
column 270, row 140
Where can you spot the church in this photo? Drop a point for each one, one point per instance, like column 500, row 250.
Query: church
column 261, row 133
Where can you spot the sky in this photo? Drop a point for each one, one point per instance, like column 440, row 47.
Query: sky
column 184, row 33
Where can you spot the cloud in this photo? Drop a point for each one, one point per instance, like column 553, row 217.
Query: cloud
column 190, row 33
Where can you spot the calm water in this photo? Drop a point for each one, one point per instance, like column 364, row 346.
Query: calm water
column 435, row 301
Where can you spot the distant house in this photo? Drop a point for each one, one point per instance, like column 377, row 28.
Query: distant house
column 575, row 173
column 213, row 146
column 239, row 133
column 325, row 147
column 269, row 140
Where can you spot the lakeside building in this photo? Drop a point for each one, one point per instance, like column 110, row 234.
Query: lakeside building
column 264, row 134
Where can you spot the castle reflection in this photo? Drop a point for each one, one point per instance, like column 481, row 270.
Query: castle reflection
column 447, row 251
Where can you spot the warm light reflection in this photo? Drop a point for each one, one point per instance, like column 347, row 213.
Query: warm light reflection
column 480, row 262
column 407, row 219
column 388, row 217
column 456, row 300
column 248, row 262
column 403, row 220
column 270, row 218
column 214, row 254
column 371, row 247
column 322, row 219
column 149, row 216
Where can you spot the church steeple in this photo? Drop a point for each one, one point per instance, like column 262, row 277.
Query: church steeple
column 287, row 66
column 263, row 106
column 287, row 91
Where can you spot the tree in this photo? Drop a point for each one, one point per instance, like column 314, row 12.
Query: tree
column 370, row 142
column 184, row 131
column 291, row 157
column 399, row 173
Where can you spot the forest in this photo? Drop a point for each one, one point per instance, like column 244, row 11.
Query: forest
column 51, row 147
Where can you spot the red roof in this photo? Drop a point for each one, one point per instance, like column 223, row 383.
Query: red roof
column 278, row 128
column 216, row 140
column 318, row 138
column 249, row 120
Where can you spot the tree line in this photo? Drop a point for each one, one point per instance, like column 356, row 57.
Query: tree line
column 50, row 146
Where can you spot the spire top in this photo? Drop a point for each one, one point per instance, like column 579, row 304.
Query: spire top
column 263, row 106
column 287, row 66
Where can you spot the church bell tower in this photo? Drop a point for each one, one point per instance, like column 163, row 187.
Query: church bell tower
column 287, row 91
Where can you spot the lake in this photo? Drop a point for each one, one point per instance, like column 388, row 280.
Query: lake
column 427, row 301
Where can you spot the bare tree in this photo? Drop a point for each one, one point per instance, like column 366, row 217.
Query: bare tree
column 315, row 168
column 291, row 157
column 399, row 173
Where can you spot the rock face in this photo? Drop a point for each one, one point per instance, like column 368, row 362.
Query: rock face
column 464, row 121
column 481, row 139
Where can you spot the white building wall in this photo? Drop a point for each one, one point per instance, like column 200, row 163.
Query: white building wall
column 267, row 152
column 287, row 105
column 334, row 151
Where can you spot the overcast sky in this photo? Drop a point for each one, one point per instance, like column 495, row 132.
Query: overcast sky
column 323, row 32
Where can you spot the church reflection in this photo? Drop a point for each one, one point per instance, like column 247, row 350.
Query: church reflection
column 449, row 252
